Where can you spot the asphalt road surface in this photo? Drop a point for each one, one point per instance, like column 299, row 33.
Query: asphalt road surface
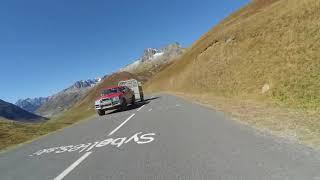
column 165, row 138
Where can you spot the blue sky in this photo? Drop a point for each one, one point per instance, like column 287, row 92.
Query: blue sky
column 46, row 45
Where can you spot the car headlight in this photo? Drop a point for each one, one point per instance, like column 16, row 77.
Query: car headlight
column 115, row 98
column 97, row 102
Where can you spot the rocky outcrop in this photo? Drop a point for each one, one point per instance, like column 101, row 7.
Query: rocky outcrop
column 153, row 58
column 83, row 84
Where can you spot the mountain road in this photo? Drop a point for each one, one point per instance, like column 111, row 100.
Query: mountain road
column 165, row 137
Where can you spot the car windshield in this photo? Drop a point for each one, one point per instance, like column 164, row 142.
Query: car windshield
column 109, row 91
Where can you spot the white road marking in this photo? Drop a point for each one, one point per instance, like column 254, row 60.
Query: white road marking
column 139, row 138
column 140, row 108
column 87, row 145
column 116, row 129
column 150, row 110
column 92, row 146
column 72, row 166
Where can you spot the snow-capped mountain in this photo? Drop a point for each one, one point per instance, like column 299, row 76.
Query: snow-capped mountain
column 31, row 104
column 52, row 105
column 83, row 84
column 66, row 98
column 154, row 57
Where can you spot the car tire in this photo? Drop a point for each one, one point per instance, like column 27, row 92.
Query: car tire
column 101, row 112
column 133, row 100
column 123, row 105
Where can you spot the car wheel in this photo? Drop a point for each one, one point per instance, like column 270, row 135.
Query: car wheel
column 124, row 105
column 133, row 101
column 101, row 112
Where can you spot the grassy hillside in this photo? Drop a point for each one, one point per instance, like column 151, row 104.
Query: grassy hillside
column 266, row 53
column 59, row 103
column 266, row 45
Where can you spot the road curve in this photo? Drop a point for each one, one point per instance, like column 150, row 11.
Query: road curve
column 164, row 138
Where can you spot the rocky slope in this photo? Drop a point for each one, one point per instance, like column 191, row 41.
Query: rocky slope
column 83, row 84
column 152, row 59
column 65, row 99
column 12, row 112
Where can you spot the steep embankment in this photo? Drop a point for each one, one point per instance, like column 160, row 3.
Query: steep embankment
column 266, row 52
column 268, row 49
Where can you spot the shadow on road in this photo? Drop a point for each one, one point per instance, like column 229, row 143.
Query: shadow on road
column 137, row 105
column 153, row 98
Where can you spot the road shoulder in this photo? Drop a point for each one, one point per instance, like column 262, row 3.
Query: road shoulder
column 290, row 124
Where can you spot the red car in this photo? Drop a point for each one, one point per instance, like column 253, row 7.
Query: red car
column 115, row 97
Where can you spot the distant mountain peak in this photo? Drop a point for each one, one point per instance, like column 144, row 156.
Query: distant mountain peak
column 67, row 98
column 31, row 104
column 154, row 56
column 34, row 104
column 82, row 84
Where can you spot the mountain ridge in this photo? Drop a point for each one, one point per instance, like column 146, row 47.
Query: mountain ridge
column 40, row 105
column 32, row 104
column 12, row 112
column 66, row 98
column 154, row 57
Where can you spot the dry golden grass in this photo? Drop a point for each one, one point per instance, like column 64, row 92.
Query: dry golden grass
column 13, row 133
column 271, row 43
column 276, row 45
